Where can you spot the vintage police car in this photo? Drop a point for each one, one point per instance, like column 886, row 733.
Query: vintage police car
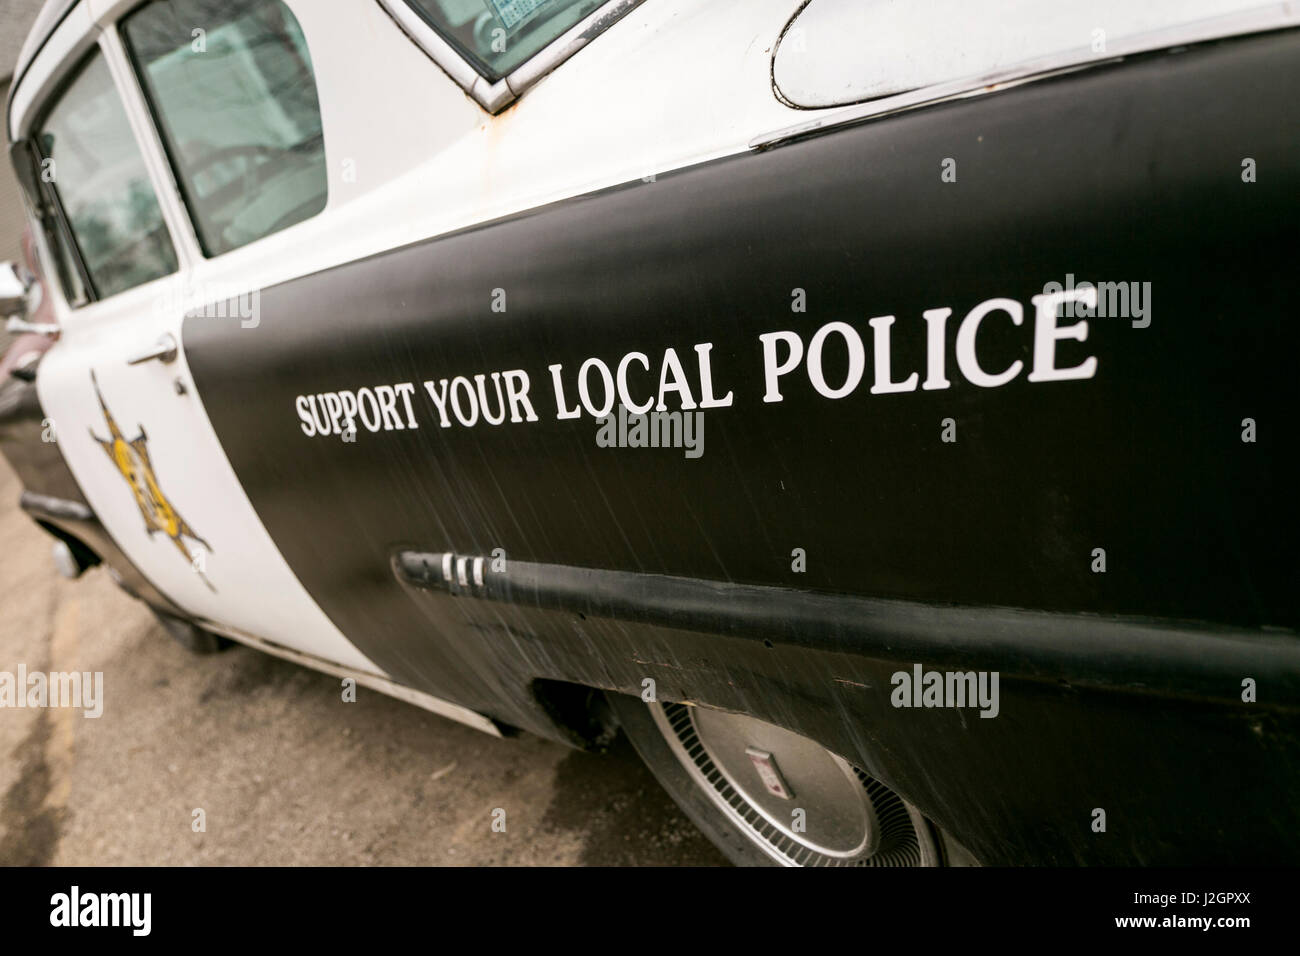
column 778, row 380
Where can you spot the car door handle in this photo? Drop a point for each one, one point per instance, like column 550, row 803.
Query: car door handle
column 164, row 350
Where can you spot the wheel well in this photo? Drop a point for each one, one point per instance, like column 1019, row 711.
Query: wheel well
column 579, row 712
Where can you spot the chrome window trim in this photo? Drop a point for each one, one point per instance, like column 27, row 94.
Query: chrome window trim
column 496, row 96
column 175, row 213
column 1262, row 19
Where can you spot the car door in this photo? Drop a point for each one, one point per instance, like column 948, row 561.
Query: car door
column 117, row 385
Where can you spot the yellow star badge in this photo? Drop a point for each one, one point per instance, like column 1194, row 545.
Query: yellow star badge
column 131, row 458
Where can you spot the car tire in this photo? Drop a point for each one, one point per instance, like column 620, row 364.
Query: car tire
column 744, row 821
column 190, row 636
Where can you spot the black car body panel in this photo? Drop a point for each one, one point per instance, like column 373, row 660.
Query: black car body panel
column 1113, row 684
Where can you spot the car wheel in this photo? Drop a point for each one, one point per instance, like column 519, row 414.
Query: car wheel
column 190, row 636
column 767, row 796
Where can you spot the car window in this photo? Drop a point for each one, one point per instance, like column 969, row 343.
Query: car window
column 231, row 86
column 93, row 164
column 498, row 35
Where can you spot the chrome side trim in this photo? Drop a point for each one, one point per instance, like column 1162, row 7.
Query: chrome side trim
column 1277, row 16
column 494, row 96
column 435, row 705
column 48, row 506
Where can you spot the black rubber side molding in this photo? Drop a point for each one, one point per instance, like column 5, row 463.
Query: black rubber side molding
column 1177, row 659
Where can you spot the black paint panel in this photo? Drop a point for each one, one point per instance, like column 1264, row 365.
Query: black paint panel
column 1127, row 173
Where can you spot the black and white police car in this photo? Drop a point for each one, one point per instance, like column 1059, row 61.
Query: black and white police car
column 883, row 412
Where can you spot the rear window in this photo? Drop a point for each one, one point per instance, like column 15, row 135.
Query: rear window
column 231, row 86
column 498, row 35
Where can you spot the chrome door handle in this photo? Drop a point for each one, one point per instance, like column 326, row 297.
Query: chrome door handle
column 164, row 350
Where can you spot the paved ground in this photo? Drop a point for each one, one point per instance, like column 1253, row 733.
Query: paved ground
column 284, row 771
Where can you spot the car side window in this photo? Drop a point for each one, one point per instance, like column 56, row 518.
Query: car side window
column 231, row 86
column 93, row 164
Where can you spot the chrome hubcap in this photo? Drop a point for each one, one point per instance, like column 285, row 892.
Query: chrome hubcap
column 797, row 801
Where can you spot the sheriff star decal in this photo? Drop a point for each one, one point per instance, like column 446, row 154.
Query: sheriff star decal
column 131, row 458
